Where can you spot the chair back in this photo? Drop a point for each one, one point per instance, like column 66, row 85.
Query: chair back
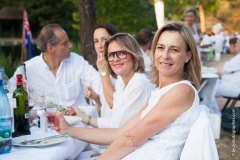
column 200, row 143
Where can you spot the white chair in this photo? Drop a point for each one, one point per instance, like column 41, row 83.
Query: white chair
column 200, row 143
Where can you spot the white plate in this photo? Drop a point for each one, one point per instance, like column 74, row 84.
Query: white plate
column 16, row 141
column 72, row 119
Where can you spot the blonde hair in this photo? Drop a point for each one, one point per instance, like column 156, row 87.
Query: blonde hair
column 192, row 69
column 129, row 44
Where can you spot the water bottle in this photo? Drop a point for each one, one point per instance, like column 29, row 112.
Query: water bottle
column 5, row 80
column 5, row 121
column 41, row 121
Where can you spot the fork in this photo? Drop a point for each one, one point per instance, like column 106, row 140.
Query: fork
column 36, row 141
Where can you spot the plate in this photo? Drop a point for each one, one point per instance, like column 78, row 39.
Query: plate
column 16, row 141
column 72, row 119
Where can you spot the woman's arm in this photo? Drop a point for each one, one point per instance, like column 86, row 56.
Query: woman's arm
column 103, row 136
column 108, row 88
column 163, row 114
column 91, row 94
column 86, row 119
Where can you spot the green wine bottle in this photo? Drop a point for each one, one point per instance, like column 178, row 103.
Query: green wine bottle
column 21, row 110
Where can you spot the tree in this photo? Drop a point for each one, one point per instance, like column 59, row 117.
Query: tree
column 229, row 13
column 174, row 9
column 87, row 21
column 43, row 12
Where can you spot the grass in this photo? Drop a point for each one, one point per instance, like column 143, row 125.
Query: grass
column 224, row 146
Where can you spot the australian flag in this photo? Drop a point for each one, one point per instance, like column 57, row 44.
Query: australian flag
column 28, row 42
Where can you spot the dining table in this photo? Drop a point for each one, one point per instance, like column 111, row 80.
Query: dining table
column 208, row 87
column 66, row 150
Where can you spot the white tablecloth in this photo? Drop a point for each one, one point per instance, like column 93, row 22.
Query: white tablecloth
column 68, row 149
column 208, row 88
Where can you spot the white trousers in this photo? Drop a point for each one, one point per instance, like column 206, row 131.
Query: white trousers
column 224, row 89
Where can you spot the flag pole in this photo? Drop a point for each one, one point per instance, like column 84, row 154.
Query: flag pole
column 22, row 49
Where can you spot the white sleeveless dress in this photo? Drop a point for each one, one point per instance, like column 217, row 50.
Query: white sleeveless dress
column 168, row 143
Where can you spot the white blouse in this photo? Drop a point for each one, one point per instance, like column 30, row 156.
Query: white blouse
column 168, row 143
column 127, row 100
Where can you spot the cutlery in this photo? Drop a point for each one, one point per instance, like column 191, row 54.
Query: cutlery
column 36, row 141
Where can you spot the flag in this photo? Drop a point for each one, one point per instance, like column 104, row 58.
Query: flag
column 27, row 37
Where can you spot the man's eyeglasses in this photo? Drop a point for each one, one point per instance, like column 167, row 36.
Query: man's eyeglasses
column 120, row 54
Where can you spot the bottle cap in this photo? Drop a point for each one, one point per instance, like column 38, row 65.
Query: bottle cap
column 19, row 79
column 22, row 69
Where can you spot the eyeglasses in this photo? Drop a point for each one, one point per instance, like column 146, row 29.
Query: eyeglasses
column 120, row 54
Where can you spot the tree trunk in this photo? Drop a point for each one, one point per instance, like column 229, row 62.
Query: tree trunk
column 87, row 16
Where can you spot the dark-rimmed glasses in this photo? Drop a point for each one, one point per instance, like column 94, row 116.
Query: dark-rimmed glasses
column 120, row 54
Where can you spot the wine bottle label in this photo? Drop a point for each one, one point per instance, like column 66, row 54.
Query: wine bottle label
column 14, row 103
column 5, row 129
column 26, row 109
column 26, row 115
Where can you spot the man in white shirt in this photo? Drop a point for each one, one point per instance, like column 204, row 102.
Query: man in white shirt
column 61, row 72
column 229, row 85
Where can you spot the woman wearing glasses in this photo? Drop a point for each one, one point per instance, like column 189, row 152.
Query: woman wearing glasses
column 159, row 130
column 124, row 62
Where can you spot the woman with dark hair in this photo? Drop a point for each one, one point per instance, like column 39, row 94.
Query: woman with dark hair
column 104, row 100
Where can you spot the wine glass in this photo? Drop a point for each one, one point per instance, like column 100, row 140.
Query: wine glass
column 50, row 107
column 39, row 95
column 31, row 97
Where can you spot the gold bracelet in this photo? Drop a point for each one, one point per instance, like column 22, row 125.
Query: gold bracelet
column 89, row 120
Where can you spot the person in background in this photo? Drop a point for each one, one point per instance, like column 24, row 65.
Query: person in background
column 159, row 130
column 190, row 15
column 229, row 84
column 144, row 39
column 59, row 71
column 101, row 32
column 123, row 58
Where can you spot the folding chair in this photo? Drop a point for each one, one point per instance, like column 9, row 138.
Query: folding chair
column 234, row 101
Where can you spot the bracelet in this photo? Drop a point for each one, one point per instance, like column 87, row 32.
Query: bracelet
column 89, row 120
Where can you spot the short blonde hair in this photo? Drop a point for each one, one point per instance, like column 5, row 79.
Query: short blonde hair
column 129, row 44
column 192, row 69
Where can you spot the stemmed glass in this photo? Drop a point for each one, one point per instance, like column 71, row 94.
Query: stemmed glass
column 31, row 97
column 39, row 95
column 50, row 107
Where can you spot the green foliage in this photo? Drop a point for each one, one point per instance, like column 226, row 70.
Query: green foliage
column 76, row 47
column 9, row 64
column 42, row 12
column 174, row 9
column 128, row 15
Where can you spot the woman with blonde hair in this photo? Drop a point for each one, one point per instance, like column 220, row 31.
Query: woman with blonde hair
column 124, row 62
column 159, row 130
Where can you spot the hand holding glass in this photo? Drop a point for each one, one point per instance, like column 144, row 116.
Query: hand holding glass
column 50, row 107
